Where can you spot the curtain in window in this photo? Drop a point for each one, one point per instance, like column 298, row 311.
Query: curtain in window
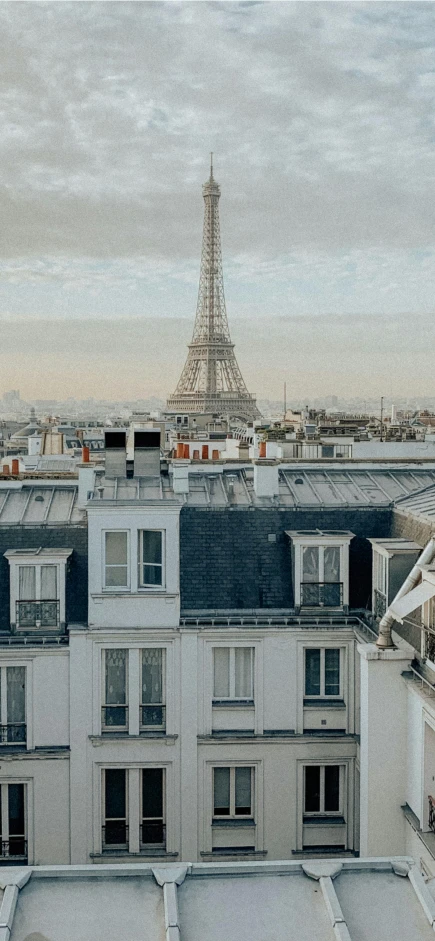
column 116, row 664
column 152, row 675
column 222, row 791
column 243, row 672
column 221, row 657
column 331, row 562
column 16, row 698
column 27, row 582
column 310, row 564
column 116, row 559
column 243, row 791
column 49, row 582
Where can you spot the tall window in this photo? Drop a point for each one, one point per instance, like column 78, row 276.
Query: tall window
column 115, row 708
column 152, row 708
column 233, row 792
column 380, row 569
column 321, row 576
column 13, row 821
column 322, row 672
column 151, row 558
column 153, row 802
column 38, row 597
column 233, row 673
column 116, row 560
column 322, row 789
column 115, row 827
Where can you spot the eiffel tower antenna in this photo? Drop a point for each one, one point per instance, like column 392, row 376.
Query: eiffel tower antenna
column 211, row 380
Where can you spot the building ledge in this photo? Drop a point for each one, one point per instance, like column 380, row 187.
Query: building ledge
column 325, row 851
column 426, row 837
column 233, row 852
column 144, row 855
column 324, row 704
column 323, row 820
column 233, row 823
column 233, row 704
column 232, row 736
column 122, row 737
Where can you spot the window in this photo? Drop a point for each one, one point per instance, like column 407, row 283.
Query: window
column 322, row 672
column 150, row 558
column 322, row 789
column 233, row 792
column 380, row 569
column 233, row 673
column 115, row 827
column 115, row 708
column 152, row 708
column 116, row 560
column 153, row 802
column 37, row 580
column 321, row 584
column 13, row 822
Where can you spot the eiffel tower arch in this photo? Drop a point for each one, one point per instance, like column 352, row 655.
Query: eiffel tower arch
column 211, row 380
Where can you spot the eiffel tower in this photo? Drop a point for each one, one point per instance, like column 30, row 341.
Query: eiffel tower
column 211, row 380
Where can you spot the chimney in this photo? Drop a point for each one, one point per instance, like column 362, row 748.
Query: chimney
column 180, row 476
column 186, row 452
column 262, row 449
column 180, row 449
column 6, row 470
column 85, row 454
column 147, row 452
column 215, row 454
column 266, row 480
column 115, row 443
column 15, row 466
column 204, row 453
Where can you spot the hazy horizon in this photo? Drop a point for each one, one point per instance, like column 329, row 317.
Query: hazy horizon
column 320, row 116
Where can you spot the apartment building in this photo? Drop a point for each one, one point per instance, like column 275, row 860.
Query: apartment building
column 180, row 653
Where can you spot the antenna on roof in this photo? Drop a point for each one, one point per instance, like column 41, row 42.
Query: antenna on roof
column 211, row 164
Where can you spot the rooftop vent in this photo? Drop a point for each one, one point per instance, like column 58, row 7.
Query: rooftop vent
column 147, row 445
column 115, row 443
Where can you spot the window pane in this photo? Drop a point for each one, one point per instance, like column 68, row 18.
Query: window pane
column 331, row 564
column 332, row 788
column 222, row 791
column 332, row 672
column 312, row 672
column 152, row 679
column 151, row 575
column 151, row 547
column 243, row 672
column 16, row 694
column 243, row 791
column 221, row 657
column 49, row 582
column 116, row 548
column 115, row 794
column 116, row 576
column 27, row 586
column 115, row 688
column 152, row 792
column 312, row 789
column 310, row 564
column 16, row 809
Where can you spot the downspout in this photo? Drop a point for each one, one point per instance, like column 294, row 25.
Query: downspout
column 384, row 640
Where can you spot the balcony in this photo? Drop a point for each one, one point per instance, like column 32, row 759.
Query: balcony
column 15, row 733
column 153, row 832
column 32, row 615
column 379, row 604
column 152, row 717
column 114, row 718
column 15, row 848
column 321, row 594
column 115, row 835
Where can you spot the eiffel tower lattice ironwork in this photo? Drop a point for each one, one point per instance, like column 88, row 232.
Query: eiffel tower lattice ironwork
column 211, row 380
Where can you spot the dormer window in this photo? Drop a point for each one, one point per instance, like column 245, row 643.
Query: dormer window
column 320, row 568
column 37, row 593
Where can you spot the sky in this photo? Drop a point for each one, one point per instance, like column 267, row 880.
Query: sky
column 321, row 118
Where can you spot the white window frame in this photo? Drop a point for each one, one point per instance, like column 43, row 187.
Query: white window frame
column 38, row 558
column 133, row 771
column 115, row 847
column 142, row 586
column 142, row 726
column 116, row 729
column 321, row 541
column 232, row 814
column 4, row 700
column 232, row 673
column 146, row 846
column 313, row 814
column 322, row 694
column 114, row 589
column 4, row 786
column 133, row 689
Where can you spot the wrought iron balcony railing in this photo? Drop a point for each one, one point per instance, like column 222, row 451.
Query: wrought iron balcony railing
column 14, row 848
column 379, row 604
column 429, row 645
column 36, row 614
column 322, row 594
column 153, row 831
column 14, row 733
column 431, row 813
column 114, row 718
column 115, row 833
column 152, row 716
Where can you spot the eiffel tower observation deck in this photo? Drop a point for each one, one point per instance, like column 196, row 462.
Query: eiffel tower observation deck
column 211, row 380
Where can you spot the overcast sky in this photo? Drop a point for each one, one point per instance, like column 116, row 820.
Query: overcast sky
column 322, row 120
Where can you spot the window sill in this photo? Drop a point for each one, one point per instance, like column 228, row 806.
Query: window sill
column 125, row 737
column 234, row 851
column 160, row 853
column 323, row 820
column 233, row 703
column 129, row 593
column 324, row 703
column 221, row 824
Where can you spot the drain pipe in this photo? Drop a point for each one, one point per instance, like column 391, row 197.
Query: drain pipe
column 384, row 640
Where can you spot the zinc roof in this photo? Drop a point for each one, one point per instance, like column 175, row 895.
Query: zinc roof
column 41, row 504
column 421, row 504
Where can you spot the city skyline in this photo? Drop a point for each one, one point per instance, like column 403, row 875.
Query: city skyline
column 320, row 117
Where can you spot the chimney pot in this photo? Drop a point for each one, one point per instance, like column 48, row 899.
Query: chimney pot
column 15, row 466
column 180, row 449
column 204, row 452
column 262, row 449
column 85, row 454
column 6, row 470
column 186, row 453
column 196, row 455
column 215, row 454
